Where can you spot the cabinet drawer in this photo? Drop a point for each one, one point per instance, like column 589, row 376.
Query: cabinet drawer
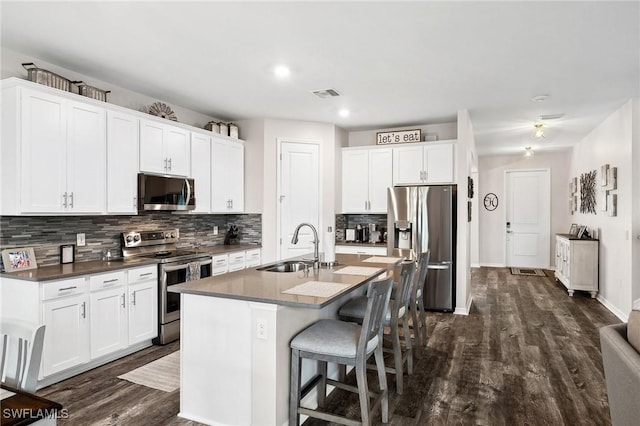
column 236, row 267
column 235, row 258
column 252, row 258
column 142, row 274
column 108, row 280
column 55, row 289
column 220, row 264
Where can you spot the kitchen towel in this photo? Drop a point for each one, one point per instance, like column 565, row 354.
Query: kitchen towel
column 329, row 246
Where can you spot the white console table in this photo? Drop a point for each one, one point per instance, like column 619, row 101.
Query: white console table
column 577, row 263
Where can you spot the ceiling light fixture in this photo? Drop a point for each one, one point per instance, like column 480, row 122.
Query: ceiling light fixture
column 538, row 133
column 344, row 112
column 528, row 152
column 539, row 98
column 282, row 71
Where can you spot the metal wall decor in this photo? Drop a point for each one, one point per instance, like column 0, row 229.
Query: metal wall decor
column 588, row 192
column 469, row 187
column 491, row 201
column 160, row 109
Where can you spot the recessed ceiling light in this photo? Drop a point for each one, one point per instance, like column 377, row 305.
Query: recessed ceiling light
column 282, row 71
column 344, row 112
column 540, row 98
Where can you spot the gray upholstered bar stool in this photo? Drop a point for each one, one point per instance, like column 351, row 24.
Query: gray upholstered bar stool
column 347, row 344
column 398, row 312
column 416, row 305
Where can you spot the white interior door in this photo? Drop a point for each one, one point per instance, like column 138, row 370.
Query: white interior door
column 528, row 221
column 299, row 196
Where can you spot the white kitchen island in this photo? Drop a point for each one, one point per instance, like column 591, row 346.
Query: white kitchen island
column 235, row 334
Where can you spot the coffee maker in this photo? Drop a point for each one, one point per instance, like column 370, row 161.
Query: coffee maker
column 362, row 234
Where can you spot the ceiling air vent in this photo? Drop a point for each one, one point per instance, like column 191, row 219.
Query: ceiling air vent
column 326, row 93
column 551, row 116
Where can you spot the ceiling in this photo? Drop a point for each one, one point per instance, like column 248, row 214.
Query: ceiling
column 395, row 64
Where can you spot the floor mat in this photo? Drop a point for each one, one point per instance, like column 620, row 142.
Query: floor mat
column 528, row 272
column 162, row 374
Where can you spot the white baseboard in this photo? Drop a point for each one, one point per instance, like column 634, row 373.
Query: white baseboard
column 464, row 310
column 615, row 311
column 475, row 265
column 493, row 265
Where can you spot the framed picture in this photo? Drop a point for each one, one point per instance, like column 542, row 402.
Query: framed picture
column 574, row 229
column 581, row 231
column 19, row 259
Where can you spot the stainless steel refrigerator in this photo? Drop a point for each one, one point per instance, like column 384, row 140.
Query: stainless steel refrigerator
column 421, row 218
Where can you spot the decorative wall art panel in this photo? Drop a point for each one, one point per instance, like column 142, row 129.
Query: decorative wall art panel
column 588, row 192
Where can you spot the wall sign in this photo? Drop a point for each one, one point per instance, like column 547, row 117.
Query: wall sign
column 398, row 136
column 491, row 201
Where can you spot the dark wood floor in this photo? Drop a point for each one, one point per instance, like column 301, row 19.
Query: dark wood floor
column 528, row 354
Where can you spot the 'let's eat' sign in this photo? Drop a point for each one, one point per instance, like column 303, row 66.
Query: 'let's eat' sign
column 400, row 136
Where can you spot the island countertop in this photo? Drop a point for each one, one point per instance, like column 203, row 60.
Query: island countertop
column 268, row 287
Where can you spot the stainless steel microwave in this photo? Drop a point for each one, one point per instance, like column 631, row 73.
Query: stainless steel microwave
column 165, row 193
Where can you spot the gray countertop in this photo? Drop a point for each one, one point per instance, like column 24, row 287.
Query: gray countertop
column 70, row 270
column 267, row 287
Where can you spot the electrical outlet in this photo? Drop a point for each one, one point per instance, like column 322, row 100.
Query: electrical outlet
column 261, row 328
column 215, row 230
column 80, row 240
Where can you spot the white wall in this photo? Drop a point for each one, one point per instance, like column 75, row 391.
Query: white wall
column 11, row 66
column 612, row 142
column 261, row 151
column 635, row 273
column 465, row 165
column 491, row 177
column 444, row 131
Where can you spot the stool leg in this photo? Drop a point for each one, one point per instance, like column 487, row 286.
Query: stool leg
column 382, row 380
column 416, row 325
column 423, row 322
column 322, row 384
column 407, row 342
column 397, row 357
column 363, row 390
column 294, row 395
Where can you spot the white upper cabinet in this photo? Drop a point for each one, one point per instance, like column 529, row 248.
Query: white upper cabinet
column 201, row 171
column 164, row 149
column 86, row 158
column 430, row 163
column 122, row 163
column 366, row 175
column 227, row 176
column 57, row 148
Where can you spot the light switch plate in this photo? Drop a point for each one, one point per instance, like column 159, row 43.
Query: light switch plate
column 215, row 230
column 80, row 240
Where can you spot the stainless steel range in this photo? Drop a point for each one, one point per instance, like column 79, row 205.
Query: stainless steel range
column 174, row 267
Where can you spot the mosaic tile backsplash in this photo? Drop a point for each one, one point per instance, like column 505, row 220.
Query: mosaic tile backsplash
column 46, row 233
column 344, row 221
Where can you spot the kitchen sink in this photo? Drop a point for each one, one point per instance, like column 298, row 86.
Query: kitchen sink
column 286, row 266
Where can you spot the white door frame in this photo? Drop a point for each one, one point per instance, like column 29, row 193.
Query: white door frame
column 504, row 215
column 279, row 142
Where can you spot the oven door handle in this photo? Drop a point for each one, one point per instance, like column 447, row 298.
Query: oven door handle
column 167, row 268
column 205, row 262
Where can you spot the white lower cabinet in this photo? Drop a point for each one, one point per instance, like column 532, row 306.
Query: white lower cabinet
column 252, row 257
column 108, row 321
column 220, row 264
column 88, row 320
column 143, row 304
column 237, row 261
column 66, row 338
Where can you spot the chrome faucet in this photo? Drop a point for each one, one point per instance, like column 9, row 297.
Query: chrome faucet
column 294, row 240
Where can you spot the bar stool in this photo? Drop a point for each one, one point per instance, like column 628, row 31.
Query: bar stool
column 416, row 306
column 398, row 312
column 347, row 344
